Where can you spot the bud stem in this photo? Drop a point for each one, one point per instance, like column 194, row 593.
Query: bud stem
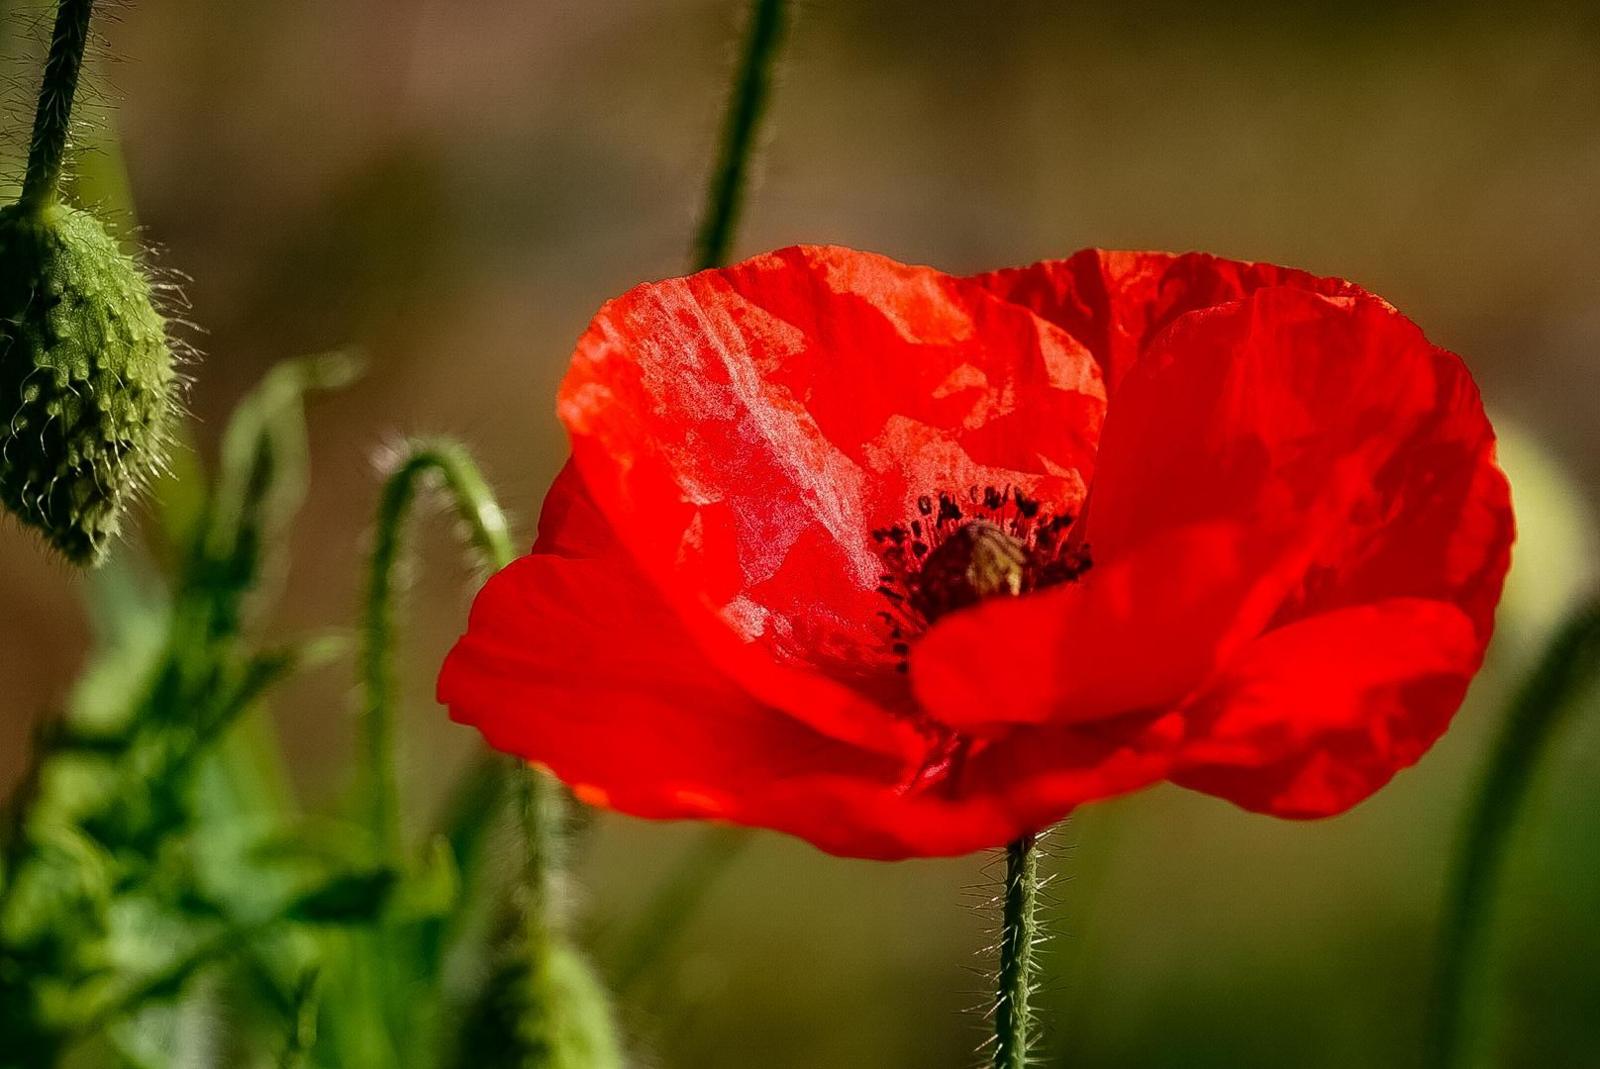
column 1019, row 931
column 681, row 893
column 52, row 121
column 748, row 99
column 475, row 505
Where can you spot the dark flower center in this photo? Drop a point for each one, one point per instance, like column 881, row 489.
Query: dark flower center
column 978, row 560
column 954, row 554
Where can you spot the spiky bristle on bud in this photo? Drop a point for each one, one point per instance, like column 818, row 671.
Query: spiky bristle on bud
column 87, row 382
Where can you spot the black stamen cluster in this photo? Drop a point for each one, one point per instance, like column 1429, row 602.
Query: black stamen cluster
column 953, row 554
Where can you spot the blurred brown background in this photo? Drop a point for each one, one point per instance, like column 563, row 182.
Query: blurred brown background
column 454, row 188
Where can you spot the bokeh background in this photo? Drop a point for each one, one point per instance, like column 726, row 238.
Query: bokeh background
column 454, row 188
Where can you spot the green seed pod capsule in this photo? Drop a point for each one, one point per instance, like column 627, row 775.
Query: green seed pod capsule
column 87, row 383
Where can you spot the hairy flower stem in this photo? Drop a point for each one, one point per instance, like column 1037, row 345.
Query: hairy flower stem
column 539, row 815
column 540, row 812
column 1018, row 934
column 475, row 506
column 52, row 121
column 540, row 801
column 680, row 894
column 752, row 88
column 1569, row 667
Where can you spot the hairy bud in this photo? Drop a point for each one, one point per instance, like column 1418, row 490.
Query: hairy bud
column 87, row 383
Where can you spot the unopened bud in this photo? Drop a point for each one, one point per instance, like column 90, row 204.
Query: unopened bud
column 87, row 384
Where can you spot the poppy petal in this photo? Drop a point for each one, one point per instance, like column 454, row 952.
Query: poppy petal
column 1313, row 717
column 1254, row 468
column 572, row 660
column 1087, row 651
column 1328, row 424
column 746, row 429
column 575, row 665
column 1116, row 302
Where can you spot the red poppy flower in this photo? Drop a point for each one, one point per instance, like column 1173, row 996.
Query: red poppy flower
column 909, row 564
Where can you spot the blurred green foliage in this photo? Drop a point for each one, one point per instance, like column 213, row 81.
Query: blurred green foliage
column 163, row 898
column 124, row 873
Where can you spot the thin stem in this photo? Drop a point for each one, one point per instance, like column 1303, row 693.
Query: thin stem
column 1568, row 668
column 15, row 843
column 1018, row 934
column 473, row 502
column 302, row 1023
column 680, row 896
column 482, row 788
column 540, row 813
column 52, row 120
column 674, row 902
column 752, row 88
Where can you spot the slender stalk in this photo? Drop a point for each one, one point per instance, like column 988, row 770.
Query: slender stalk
column 302, row 1023
column 1019, row 933
column 540, row 811
column 474, row 504
column 14, row 841
column 752, row 87
column 675, row 900
column 681, row 894
column 1569, row 667
column 52, row 120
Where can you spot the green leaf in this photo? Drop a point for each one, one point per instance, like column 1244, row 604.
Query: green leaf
column 431, row 891
column 351, row 898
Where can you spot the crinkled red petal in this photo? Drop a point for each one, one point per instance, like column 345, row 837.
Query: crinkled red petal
column 745, row 430
column 572, row 659
column 1116, row 302
column 1265, row 464
column 1316, row 715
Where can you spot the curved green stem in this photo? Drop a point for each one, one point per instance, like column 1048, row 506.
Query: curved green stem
column 474, row 504
column 752, row 88
column 52, row 120
column 681, row 894
column 673, row 903
column 1570, row 666
column 1019, row 933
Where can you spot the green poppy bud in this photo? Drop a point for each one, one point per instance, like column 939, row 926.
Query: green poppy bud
column 87, row 384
